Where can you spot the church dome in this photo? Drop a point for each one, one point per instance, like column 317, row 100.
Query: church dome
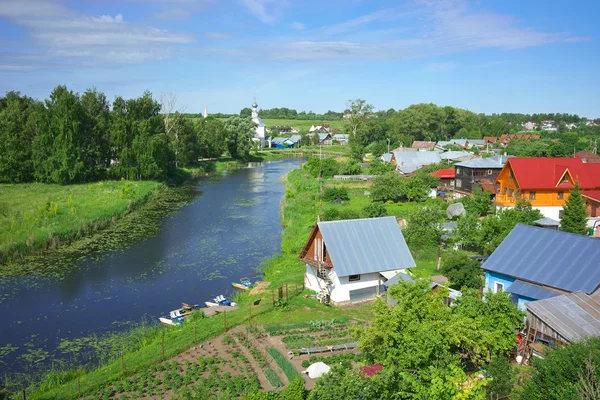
column 254, row 105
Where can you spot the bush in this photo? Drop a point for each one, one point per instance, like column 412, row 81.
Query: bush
column 294, row 391
column 462, row 271
column 423, row 227
column 305, row 363
column 374, row 210
column 333, row 193
column 327, row 167
column 503, row 378
column 350, row 168
column 330, row 214
column 378, row 167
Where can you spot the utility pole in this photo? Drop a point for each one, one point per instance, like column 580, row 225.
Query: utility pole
column 388, row 145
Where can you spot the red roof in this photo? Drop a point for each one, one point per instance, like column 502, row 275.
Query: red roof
column 546, row 173
column 417, row 144
column 371, row 370
column 592, row 194
column 447, row 173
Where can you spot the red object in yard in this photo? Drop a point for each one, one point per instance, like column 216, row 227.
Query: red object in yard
column 519, row 338
column 371, row 370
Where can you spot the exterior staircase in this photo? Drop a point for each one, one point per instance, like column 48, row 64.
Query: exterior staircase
column 325, row 283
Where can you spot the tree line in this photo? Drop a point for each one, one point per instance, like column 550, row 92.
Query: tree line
column 71, row 138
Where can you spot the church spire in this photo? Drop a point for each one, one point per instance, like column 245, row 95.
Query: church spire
column 205, row 112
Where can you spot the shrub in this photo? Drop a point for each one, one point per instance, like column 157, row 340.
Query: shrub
column 387, row 187
column 326, row 167
column 350, row 168
column 305, row 363
column 462, row 271
column 374, row 210
column 333, row 193
column 379, row 167
column 294, row 391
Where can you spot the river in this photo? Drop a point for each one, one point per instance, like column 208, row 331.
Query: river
column 223, row 234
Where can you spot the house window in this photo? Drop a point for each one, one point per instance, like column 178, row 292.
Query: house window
column 489, row 171
column 457, row 171
column 560, row 195
column 531, row 195
column 353, row 278
column 324, row 252
column 498, row 287
column 504, row 191
column 511, row 192
column 511, row 175
column 458, row 183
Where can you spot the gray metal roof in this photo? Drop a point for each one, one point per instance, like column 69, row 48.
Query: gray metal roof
column 295, row 138
column 323, row 136
column 481, row 163
column 361, row 246
column 341, row 136
column 546, row 222
column 525, row 289
column 477, row 142
column 398, row 278
column 387, row 157
column 420, row 158
column 453, row 155
column 574, row 316
column 549, row 257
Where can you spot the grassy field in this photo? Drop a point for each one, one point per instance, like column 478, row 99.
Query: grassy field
column 302, row 124
column 39, row 216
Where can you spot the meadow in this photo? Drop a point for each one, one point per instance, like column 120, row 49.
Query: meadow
column 302, row 124
column 39, row 216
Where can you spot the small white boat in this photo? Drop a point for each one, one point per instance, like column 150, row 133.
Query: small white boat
column 211, row 304
column 220, row 300
column 174, row 318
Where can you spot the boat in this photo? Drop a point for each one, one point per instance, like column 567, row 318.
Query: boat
column 187, row 309
column 220, row 300
column 239, row 286
column 174, row 318
column 246, row 282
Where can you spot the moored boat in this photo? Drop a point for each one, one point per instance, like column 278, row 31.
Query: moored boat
column 220, row 300
column 174, row 318
column 239, row 286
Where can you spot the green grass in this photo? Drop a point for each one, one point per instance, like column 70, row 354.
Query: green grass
column 38, row 216
column 288, row 369
column 337, row 148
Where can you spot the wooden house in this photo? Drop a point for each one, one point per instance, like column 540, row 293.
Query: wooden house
column 546, row 183
column 478, row 172
column 587, row 157
column 348, row 261
column 446, row 179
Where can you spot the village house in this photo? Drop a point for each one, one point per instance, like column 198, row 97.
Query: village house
column 535, row 263
column 506, row 138
column 348, row 261
column 324, row 138
column 529, row 125
column 456, row 156
column 407, row 163
column 319, row 128
column 340, row 138
column 423, row 146
column 446, row 179
column 478, row 172
column 547, row 182
column 587, row 156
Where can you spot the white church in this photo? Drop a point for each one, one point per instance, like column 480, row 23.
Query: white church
column 261, row 129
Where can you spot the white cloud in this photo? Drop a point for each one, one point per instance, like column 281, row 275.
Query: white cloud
column 61, row 32
column 218, row 35
column 297, row 26
column 16, row 67
column 267, row 11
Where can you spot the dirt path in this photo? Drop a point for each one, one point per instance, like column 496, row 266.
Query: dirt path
column 259, row 289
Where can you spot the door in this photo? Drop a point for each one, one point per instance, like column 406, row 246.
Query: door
column 363, row 294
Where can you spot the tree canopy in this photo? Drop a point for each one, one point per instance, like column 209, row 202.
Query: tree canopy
column 574, row 218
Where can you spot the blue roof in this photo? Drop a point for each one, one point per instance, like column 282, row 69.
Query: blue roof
column 450, row 155
column 525, row 289
column 398, row 278
column 481, row 163
column 361, row 246
column 561, row 260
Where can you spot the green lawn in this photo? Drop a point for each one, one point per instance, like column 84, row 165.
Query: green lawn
column 302, row 124
column 36, row 215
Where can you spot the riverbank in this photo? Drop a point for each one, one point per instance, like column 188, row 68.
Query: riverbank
column 36, row 217
column 299, row 209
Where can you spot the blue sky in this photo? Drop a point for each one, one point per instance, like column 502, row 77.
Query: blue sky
column 486, row 56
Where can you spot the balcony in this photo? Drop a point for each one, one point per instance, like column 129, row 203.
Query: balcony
column 506, row 200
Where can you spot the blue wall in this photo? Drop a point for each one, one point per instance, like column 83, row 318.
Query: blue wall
column 490, row 281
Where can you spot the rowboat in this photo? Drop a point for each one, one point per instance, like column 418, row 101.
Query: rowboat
column 239, row 286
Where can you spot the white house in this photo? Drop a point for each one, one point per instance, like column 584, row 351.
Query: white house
column 348, row 261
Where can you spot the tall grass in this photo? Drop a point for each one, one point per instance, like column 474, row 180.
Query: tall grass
column 288, row 369
column 38, row 216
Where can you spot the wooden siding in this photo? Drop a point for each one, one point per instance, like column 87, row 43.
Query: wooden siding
column 510, row 192
column 312, row 250
column 468, row 177
column 543, row 331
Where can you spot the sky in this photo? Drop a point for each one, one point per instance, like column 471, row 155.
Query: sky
column 489, row 56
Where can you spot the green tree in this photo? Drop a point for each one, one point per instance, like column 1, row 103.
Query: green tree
column 480, row 204
column 560, row 374
column 387, row 187
column 574, row 218
column 418, row 187
column 316, row 139
column 350, row 167
column 185, row 143
column 378, row 167
column 95, row 125
column 423, row 227
column 360, row 112
column 246, row 112
column 238, row 137
column 462, row 271
column 326, row 167
column 374, row 210
column 20, row 117
column 211, row 137
column 503, row 378
column 58, row 147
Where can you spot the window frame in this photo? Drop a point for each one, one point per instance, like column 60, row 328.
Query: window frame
column 498, row 285
column 532, row 195
column 354, row 278
column 560, row 195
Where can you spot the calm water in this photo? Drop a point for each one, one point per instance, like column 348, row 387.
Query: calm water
column 222, row 235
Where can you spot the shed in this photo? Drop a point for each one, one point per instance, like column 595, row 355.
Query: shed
column 566, row 318
column 547, row 223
